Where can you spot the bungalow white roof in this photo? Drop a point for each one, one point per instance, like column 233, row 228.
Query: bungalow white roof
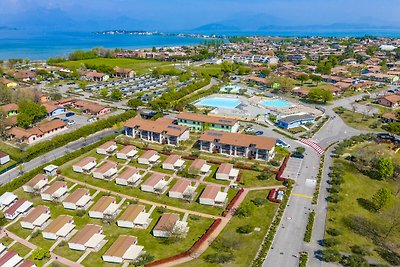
column 150, row 155
column 174, row 160
column 105, row 167
column 10, row 259
column 20, row 206
column 89, row 236
column 7, row 198
column 124, row 247
column 108, row 145
column 85, row 161
column 103, row 204
column 227, row 168
column 39, row 214
column 35, row 180
column 77, row 196
column 59, row 223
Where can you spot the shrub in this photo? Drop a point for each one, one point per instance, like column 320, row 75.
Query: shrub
column 335, row 198
column 259, row 201
column 264, row 176
column 245, row 229
column 194, row 217
column 355, row 261
column 330, row 242
column 245, row 210
column 360, row 250
column 40, row 254
column 219, row 258
column 35, row 233
column 334, row 232
column 143, row 259
column 390, row 256
column 331, row 255
column 62, row 243
column 80, row 213
column 309, row 227
column 161, row 210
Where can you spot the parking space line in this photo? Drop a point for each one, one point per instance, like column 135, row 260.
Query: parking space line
column 301, row 195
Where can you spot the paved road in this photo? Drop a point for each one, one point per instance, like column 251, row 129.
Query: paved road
column 52, row 155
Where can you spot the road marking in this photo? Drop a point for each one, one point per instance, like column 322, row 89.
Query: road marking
column 301, row 195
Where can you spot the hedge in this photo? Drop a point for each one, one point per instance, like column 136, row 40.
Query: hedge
column 284, row 134
column 303, row 259
column 63, row 139
column 267, row 242
column 23, row 179
column 310, row 224
column 318, row 183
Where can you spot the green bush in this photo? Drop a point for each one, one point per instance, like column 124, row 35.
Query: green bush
column 360, row 250
column 245, row 229
column 330, row 242
column 334, row 232
column 259, row 201
column 355, row 261
column 309, row 227
column 330, row 255
column 219, row 258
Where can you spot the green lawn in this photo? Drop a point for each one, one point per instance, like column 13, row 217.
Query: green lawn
column 249, row 179
column 6, row 241
column 139, row 66
column 8, row 164
column 356, row 187
column 20, row 249
column 14, row 152
column 247, row 244
column 66, row 252
column 358, row 120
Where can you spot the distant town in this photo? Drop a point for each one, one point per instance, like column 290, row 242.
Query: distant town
column 193, row 35
column 240, row 151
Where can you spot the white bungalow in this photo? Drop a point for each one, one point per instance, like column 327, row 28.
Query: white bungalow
column 77, row 199
column 125, row 248
column 107, row 148
column 106, row 171
column 135, row 216
column 182, row 189
column 168, row 224
column 36, row 218
column 60, row 227
column 212, row 196
column 199, row 166
column 20, row 207
column 84, row 165
column 105, row 206
column 226, row 172
column 4, row 158
column 7, row 199
column 173, row 162
column 89, row 236
column 156, row 183
column 55, row 191
column 127, row 152
column 129, row 175
column 10, row 259
column 149, row 157
column 2, row 248
column 37, row 183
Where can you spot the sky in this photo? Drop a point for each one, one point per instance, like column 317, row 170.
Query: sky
column 174, row 15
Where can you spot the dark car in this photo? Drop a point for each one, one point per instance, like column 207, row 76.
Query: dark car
column 259, row 132
column 69, row 114
column 297, row 155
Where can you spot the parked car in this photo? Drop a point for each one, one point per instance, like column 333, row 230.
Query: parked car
column 69, row 114
column 71, row 122
column 92, row 119
column 297, row 156
column 259, row 132
column 282, row 144
column 249, row 130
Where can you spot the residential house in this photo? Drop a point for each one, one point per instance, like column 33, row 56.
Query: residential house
column 94, row 76
column 77, row 199
column 4, row 158
column 26, row 263
column 123, row 72
column 156, row 183
column 161, row 131
column 36, row 218
column 199, row 166
column 10, row 259
column 168, row 224
column 106, row 206
column 37, row 133
column 60, row 227
column 10, row 109
column 2, row 248
column 7, row 199
column 200, row 122
column 391, row 101
column 135, row 216
column 389, row 117
column 125, row 248
column 296, row 120
column 128, row 176
column 107, row 148
column 84, row 165
column 149, row 157
column 25, row 75
column 8, row 83
column 182, row 189
column 50, row 170
column 127, row 152
column 91, row 108
column 106, row 170
column 173, row 162
column 212, row 196
column 36, row 184
column 55, row 191
column 89, row 237
column 20, row 207
column 53, row 109
column 236, row 144
column 226, row 172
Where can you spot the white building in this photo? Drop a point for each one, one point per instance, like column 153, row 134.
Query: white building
column 135, row 216
column 55, row 191
column 7, row 199
column 107, row 148
column 4, row 158
column 89, row 236
column 127, row 152
column 149, row 157
column 10, row 259
column 84, row 165
column 105, row 206
column 182, row 189
column 106, row 171
column 77, row 199
column 20, row 207
column 37, row 183
column 36, row 218
column 212, row 196
column 168, row 224
column 128, row 176
column 226, row 172
column 125, row 248
column 60, row 227
column 156, row 183
column 173, row 162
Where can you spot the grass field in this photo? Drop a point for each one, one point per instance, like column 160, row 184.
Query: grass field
column 247, row 244
column 14, row 152
column 20, row 249
column 357, row 187
column 139, row 66
column 358, row 120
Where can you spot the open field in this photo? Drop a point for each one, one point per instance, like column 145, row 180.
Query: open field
column 140, row 66
column 358, row 120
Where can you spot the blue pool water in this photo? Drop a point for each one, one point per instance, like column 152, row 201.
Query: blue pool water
column 219, row 102
column 276, row 103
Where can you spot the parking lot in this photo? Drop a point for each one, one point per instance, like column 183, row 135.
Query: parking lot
column 292, row 169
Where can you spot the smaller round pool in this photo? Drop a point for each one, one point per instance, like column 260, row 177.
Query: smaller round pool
column 276, row 103
column 219, row 102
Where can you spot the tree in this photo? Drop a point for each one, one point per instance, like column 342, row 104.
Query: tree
column 331, row 255
column 317, row 94
column 104, row 92
column 82, row 85
column 29, row 113
column 40, row 254
column 116, row 94
column 355, row 261
column 316, row 78
column 219, row 258
column 300, row 150
column 303, row 78
column 134, row 102
column 245, row 229
column 143, row 259
column 245, row 210
column 263, row 176
column 381, row 198
column 384, row 167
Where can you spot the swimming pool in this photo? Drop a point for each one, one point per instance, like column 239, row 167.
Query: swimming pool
column 219, row 102
column 276, row 103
